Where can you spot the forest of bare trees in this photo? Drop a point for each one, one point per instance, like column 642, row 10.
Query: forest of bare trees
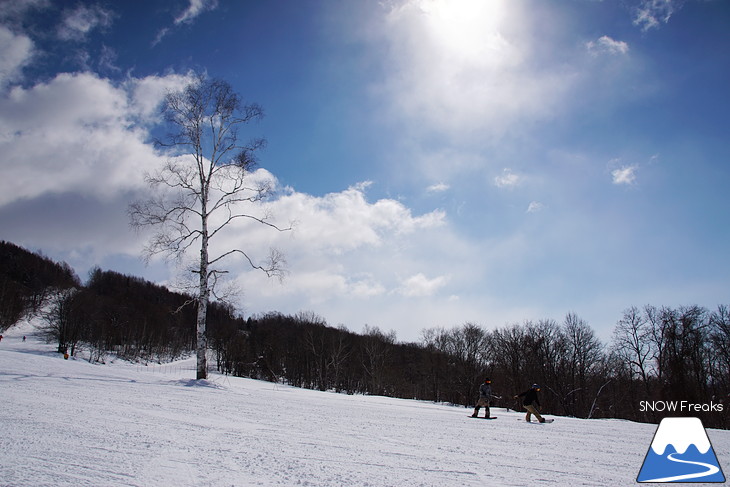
column 655, row 353
column 26, row 280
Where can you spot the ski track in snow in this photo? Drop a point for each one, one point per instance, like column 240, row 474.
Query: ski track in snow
column 71, row 423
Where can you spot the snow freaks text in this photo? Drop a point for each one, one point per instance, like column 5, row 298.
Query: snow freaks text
column 679, row 406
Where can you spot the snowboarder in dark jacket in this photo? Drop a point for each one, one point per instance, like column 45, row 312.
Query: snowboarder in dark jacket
column 529, row 401
column 485, row 396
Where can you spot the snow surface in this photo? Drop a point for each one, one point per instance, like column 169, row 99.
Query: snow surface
column 68, row 422
column 681, row 433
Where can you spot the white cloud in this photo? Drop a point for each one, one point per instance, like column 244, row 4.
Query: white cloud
column 346, row 255
column 607, row 45
column 321, row 285
column 366, row 287
column 419, row 285
column 535, row 206
column 438, row 188
column 18, row 8
column 107, row 60
column 344, row 221
column 147, row 93
column 160, row 35
column 624, row 175
column 77, row 133
column 15, row 52
column 652, row 13
column 194, row 9
column 507, row 179
column 78, row 23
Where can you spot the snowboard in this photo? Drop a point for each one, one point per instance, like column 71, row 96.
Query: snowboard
column 536, row 422
column 482, row 417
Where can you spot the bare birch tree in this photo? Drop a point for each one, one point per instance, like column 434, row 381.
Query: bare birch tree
column 205, row 186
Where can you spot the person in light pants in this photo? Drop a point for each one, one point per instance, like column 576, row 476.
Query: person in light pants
column 529, row 401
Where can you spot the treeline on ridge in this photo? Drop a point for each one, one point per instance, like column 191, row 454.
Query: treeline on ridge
column 26, row 279
column 656, row 354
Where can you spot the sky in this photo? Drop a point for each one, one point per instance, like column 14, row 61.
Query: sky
column 445, row 162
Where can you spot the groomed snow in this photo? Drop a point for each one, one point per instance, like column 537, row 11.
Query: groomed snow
column 67, row 422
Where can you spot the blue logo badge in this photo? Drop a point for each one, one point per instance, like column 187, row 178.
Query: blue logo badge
column 680, row 452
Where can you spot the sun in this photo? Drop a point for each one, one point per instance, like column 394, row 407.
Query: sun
column 469, row 29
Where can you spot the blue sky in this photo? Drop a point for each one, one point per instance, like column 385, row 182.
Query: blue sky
column 445, row 161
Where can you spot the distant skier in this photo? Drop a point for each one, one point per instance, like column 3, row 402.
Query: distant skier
column 485, row 396
column 528, row 401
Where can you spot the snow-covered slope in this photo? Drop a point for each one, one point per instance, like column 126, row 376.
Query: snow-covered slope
column 72, row 423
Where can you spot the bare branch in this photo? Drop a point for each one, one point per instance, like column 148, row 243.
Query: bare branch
column 275, row 265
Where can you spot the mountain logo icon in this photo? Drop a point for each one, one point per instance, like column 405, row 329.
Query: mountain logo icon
column 680, row 452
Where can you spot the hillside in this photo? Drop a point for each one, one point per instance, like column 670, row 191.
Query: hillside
column 120, row 424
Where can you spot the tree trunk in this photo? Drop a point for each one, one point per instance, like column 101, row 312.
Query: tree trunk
column 202, row 345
